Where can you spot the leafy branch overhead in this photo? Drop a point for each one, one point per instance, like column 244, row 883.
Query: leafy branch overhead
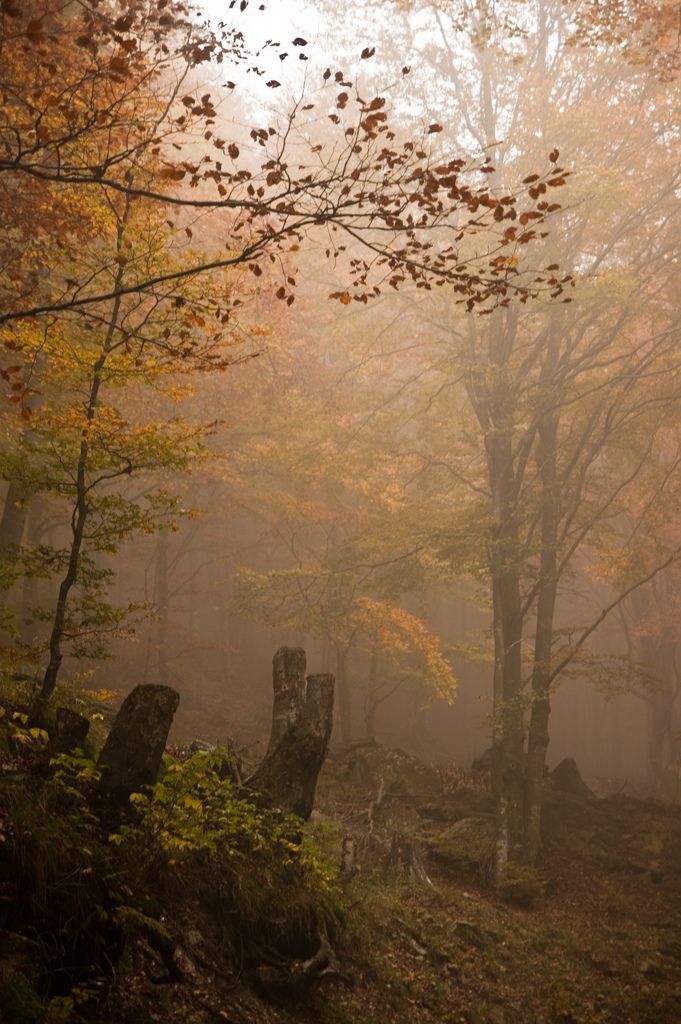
column 111, row 110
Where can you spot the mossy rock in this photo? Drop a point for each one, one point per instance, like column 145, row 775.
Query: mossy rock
column 367, row 764
column 466, row 847
column 453, row 807
column 567, row 779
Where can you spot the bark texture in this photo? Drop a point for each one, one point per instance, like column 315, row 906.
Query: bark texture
column 288, row 683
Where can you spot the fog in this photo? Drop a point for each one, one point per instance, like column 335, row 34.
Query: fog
column 464, row 507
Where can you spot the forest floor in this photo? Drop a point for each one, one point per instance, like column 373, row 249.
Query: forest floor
column 599, row 944
column 425, row 939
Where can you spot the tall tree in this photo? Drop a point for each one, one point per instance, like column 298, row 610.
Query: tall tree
column 558, row 394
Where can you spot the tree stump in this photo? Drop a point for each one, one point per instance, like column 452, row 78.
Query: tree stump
column 348, row 864
column 288, row 683
column 405, row 858
column 131, row 756
column 301, row 729
column 70, row 732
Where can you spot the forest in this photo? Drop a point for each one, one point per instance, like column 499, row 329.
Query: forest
column 340, row 468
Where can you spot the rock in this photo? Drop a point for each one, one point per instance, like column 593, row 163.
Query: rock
column 482, row 763
column 403, row 775
column 467, row 846
column 566, row 779
column 463, row 803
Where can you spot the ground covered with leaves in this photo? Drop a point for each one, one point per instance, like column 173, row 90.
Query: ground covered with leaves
column 206, row 909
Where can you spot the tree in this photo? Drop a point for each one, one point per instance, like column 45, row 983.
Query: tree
column 104, row 106
column 84, row 449
column 335, row 559
column 569, row 403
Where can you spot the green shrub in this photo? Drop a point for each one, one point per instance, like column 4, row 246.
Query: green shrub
column 19, row 1001
column 522, row 885
column 258, row 867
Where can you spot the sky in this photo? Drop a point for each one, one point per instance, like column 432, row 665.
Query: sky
column 277, row 21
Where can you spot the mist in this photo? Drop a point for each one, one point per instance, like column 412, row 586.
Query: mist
column 351, row 329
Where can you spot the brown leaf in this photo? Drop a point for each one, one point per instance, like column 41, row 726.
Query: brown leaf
column 119, row 66
column 171, row 174
column 34, row 30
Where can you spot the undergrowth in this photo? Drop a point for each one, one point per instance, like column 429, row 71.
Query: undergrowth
column 192, row 848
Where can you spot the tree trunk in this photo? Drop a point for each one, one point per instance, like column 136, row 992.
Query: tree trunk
column 81, row 509
column 370, row 701
column 14, row 515
column 492, row 393
column 15, row 510
column 508, row 734
column 538, row 735
column 343, row 691
column 161, row 600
